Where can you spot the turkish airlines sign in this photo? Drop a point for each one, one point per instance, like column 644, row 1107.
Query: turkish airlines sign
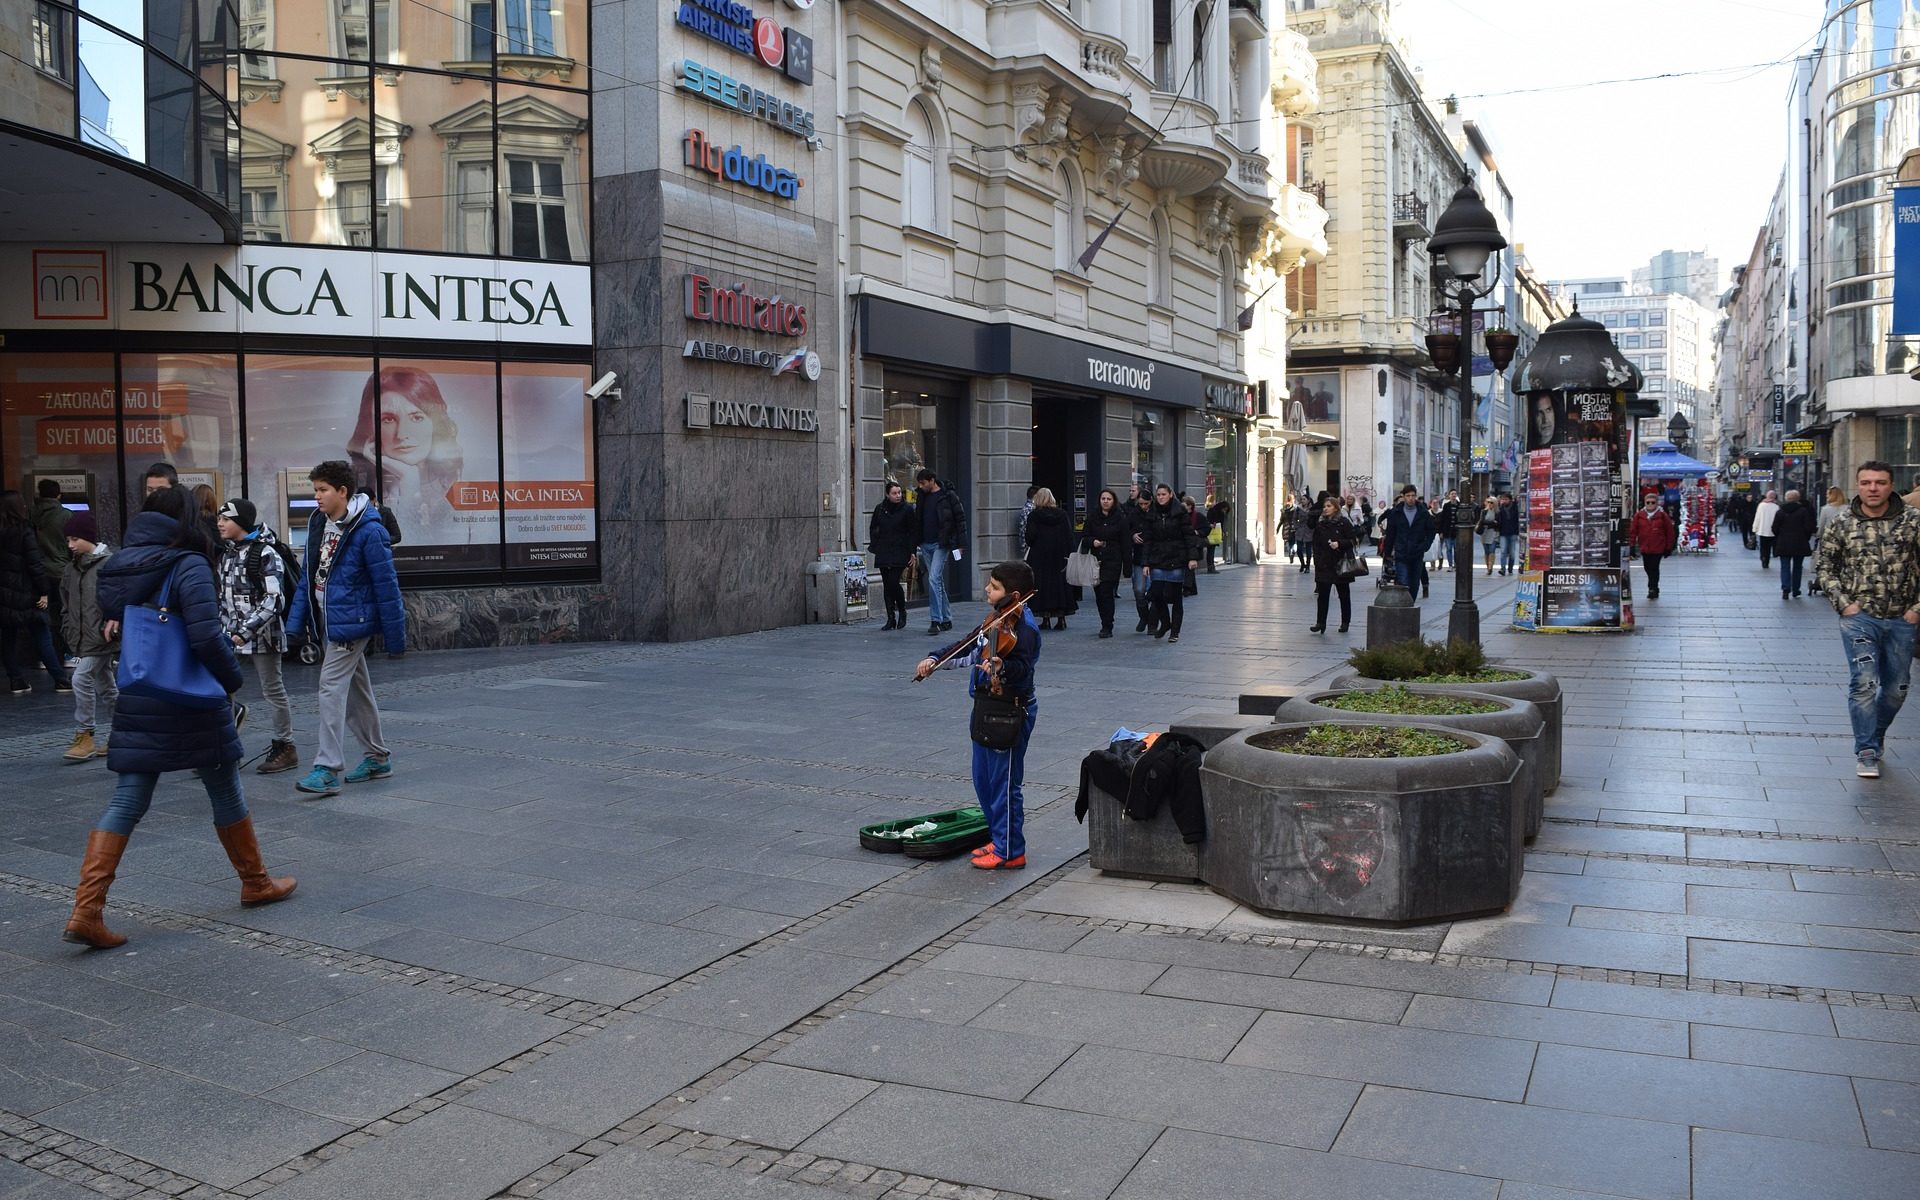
column 261, row 288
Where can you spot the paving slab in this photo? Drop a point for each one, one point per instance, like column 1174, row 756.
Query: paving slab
column 1191, row 952
column 768, row 991
column 1187, row 1165
column 1845, row 970
column 976, row 1061
column 1565, row 1026
column 1079, row 970
column 774, row 1105
column 1877, row 1024
column 454, row 1033
column 1034, row 1151
column 452, row 1153
column 1737, row 1166
column 1683, row 1004
column 204, row 1132
column 886, row 926
column 1787, row 850
column 1283, row 995
column 1570, row 947
column 1193, row 1029
column 633, row 1173
column 44, row 1070
column 1365, row 1052
column 1519, row 1141
column 1364, row 971
column 25, row 1183
column 642, row 946
column 1834, row 1056
column 948, row 997
column 1691, row 1092
column 363, row 1088
column 220, row 1048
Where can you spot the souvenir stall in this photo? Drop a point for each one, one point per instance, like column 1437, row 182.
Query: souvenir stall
column 1663, row 467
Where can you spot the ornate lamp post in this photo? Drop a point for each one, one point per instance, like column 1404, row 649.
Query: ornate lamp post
column 1464, row 238
column 1678, row 431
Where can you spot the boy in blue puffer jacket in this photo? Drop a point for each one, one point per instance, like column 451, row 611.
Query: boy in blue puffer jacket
column 351, row 592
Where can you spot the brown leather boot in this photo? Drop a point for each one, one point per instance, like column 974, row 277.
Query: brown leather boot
column 256, row 886
column 280, row 757
column 90, row 897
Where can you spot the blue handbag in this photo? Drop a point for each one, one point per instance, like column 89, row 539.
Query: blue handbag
column 157, row 661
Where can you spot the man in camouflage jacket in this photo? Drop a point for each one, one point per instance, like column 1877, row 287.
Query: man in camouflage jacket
column 1869, row 564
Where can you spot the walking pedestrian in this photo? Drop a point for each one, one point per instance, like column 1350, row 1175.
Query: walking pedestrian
column 1793, row 529
column 1138, row 514
column 1763, row 518
column 49, row 518
column 207, row 511
column 1196, row 522
column 1050, row 539
column 1870, row 567
column 1652, row 533
column 1835, row 505
column 1172, row 553
column 257, row 583
column 350, row 593
column 1366, row 527
column 943, row 531
column 1295, row 527
column 1509, row 534
column 1405, row 535
column 24, row 592
column 95, row 690
column 1488, row 529
column 166, row 558
column 1108, row 536
column 1446, row 528
column 1333, row 538
column 1217, row 539
column 891, row 534
column 998, row 774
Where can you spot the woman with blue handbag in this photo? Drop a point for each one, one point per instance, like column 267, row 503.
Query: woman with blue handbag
column 177, row 672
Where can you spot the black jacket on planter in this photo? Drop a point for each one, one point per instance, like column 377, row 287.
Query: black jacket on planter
column 1793, row 528
column 1050, row 539
column 153, row 735
column 1171, row 541
column 1326, row 559
column 893, row 533
column 1115, row 530
column 23, row 577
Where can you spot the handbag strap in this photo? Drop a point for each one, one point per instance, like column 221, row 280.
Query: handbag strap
column 166, row 587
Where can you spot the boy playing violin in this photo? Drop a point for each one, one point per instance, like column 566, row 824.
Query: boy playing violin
column 1004, row 656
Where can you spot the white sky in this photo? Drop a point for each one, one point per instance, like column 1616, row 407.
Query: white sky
column 1604, row 177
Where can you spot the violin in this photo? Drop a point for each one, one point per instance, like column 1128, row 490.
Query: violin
column 1000, row 627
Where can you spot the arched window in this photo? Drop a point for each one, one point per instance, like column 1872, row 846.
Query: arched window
column 1160, row 270
column 1229, row 290
column 920, row 198
column 1069, row 219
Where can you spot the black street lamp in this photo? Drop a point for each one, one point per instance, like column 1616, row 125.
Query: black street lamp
column 1464, row 238
column 1677, row 432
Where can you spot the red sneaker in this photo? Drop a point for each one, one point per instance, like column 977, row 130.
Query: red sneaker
column 991, row 861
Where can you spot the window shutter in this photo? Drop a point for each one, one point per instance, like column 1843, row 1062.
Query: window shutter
column 1162, row 22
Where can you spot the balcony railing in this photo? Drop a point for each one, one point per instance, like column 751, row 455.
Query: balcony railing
column 1410, row 218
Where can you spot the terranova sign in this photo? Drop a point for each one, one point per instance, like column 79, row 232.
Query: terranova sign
column 261, row 288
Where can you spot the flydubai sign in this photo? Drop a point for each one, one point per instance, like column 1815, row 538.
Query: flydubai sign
column 279, row 289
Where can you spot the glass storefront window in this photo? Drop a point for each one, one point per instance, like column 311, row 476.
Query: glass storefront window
column 308, row 154
column 542, row 174
column 300, row 412
column 426, row 438
column 112, row 92
column 1900, row 446
column 1152, row 448
column 57, row 418
column 182, row 409
column 548, row 475
column 442, row 129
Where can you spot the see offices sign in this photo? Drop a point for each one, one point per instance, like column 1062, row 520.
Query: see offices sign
column 262, row 288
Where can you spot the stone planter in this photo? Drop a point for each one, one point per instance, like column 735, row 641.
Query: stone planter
column 1539, row 687
column 1368, row 839
column 1520, row 724
column 1151, row 849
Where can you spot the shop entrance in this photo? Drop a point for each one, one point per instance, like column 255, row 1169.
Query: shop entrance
column 926, row 426
column 1066, row 452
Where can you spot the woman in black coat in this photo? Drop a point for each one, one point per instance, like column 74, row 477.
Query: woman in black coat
column 1333, row 537
column 1049, row 536
column 1173, row 551
column 1793, row 529
column 24, row 596
column 1108, row 536
column 151, row 735
column 891, row 536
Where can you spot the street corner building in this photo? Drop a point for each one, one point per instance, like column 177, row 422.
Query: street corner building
column 243, row 237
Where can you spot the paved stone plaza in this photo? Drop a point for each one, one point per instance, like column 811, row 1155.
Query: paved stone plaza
column 607, row 933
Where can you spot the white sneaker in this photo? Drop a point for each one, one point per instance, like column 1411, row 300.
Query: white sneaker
column 1867, row 765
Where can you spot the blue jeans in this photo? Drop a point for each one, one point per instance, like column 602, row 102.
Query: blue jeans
column 997, row 775
column 1446, row 548
column 135, row 793
column 1408, row 573
column 1509, row 543
column 1790, row 569
column 933, row 567
column 1879, row 660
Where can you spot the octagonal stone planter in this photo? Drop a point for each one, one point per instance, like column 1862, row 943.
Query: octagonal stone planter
column 1363, row 839
column 1538, row 686
column 1519, row 723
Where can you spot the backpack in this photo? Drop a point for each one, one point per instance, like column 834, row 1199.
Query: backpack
column 391, row 522
column 257, row 574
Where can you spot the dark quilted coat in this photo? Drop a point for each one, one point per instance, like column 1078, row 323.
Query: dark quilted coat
column 153, row 735
column 362, row 592
column 23, row 578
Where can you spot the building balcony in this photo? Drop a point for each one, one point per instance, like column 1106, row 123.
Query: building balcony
column 1251, row 185
column 1188, row 158
column 1025, row 32
column 1302, row 224
column 1410, row 218
column 1249, row 19
column 1296, row 76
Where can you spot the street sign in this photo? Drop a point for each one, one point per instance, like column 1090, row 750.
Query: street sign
column 1797, row 446
column 1779, row 404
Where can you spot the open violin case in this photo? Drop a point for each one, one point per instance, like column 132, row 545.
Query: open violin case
column 952, row 832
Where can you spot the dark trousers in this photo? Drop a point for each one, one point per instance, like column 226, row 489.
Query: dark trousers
column 891, row 591
column 1103, row 593
column 54, row 609
column 1652, row 564
column 1766, row 551
column 34, row 631
column 1322, row 592
column 1168, row 601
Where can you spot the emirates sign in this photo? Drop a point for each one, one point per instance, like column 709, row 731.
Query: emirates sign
column 738, row 307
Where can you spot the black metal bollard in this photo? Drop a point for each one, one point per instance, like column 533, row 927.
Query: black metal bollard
column 1393, row 616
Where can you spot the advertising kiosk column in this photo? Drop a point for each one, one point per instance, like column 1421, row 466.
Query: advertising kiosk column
column 1576, row 388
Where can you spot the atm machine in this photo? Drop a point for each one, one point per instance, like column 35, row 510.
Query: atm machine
column 76, row 488
column 296, row 509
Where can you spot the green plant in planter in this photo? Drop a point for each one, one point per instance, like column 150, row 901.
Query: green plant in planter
column 1358, row 741
column 1399, row 701
column 1421, row 661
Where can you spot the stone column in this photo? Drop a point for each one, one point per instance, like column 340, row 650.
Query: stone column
column 1002, row 466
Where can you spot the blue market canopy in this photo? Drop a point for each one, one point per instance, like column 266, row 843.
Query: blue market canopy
column 1662, row 460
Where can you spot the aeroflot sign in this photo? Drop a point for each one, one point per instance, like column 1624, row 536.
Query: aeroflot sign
column 279, row 289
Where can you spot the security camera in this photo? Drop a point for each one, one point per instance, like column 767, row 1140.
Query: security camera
column 604, row 385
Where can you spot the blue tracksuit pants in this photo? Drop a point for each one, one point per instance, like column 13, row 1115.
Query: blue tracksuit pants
column 997, row 775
